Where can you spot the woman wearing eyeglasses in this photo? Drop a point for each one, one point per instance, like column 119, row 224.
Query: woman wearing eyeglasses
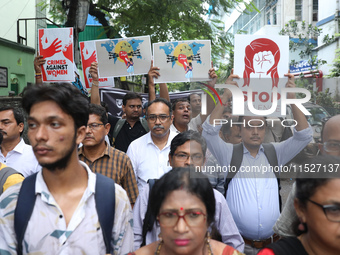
column 184, row 207
column 317, row 204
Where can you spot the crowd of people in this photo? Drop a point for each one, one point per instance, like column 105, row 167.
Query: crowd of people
column 92, row 183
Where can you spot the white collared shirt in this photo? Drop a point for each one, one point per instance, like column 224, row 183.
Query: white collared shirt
column 252, row 196
column 22, row 159
column 47, row 232
column 149, row 162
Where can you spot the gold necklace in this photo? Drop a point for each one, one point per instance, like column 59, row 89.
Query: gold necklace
column 160, row 243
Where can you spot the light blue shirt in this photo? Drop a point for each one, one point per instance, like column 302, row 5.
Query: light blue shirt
column 252, row 196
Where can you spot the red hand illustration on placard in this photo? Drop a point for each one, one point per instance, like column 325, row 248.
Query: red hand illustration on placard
column 87, row 62
column 183, row 60
column 124, row 56
column 54, row 48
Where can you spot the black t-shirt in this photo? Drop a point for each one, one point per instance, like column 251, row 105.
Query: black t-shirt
column 127, row 134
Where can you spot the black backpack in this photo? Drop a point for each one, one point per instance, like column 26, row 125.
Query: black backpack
column 105, row 205
column 237, row 158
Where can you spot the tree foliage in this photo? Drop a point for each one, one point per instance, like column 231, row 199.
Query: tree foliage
column 306, row 34
column 335, row 71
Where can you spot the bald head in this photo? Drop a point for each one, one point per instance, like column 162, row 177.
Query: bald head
column 331, row 135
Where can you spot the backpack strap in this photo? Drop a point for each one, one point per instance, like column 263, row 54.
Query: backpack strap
column 24, row 209
column 148, row 218
column 235, row 163
column 117, row 128
column 270, row 153
column 144, row 124
column 236, row 160
column 105, row 205
column 4, row 174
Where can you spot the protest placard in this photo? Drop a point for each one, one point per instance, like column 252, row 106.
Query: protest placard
column 182, row 61
column 56, row 46
column 261, row 62
column 124, row 56
column 89, row 55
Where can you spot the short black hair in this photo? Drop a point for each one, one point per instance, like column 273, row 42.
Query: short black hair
column 99, row 111
column 185, row 136
column 174, row 103
column 160, row 100
column 307, row 183
column 179, row 179
column 17, row 112
column 1, row 138
column 65, row 95
column 131, row 95
column 192, row 94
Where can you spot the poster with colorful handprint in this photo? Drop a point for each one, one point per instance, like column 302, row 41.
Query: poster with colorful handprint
column 124, row 56
column 182, row 61
column 56, row 46
column 88, row 55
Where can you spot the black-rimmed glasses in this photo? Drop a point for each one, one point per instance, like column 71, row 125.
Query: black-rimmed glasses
column 153, row 118
column 182, row 157
column 332, row 212
column 192, row 218
column 94, row 126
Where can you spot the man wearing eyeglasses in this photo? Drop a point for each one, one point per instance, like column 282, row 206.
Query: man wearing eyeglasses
column 104, row 159
column 330, row 137
column 330, row 145
column 149, row 153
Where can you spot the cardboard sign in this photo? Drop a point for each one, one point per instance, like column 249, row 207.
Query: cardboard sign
column 56, row 46
column 88, row 55
column 182, row 61
column 261, row 62
column 124, row 56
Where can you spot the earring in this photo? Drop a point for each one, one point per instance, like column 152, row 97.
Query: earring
column 160, row 237
column 208, row 243
column 301, row 226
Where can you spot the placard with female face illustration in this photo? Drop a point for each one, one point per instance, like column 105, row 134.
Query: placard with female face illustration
column 261, row 57
column 261, row 62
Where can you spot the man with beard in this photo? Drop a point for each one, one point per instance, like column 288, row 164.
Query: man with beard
column 149, row 153
column 133, row 126
column 65, row 218
column 14, row 152
column 181, row 111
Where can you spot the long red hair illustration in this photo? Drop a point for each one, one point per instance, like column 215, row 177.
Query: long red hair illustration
column 261, row 58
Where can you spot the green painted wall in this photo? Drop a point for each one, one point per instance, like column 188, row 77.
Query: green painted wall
column 18, row 59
